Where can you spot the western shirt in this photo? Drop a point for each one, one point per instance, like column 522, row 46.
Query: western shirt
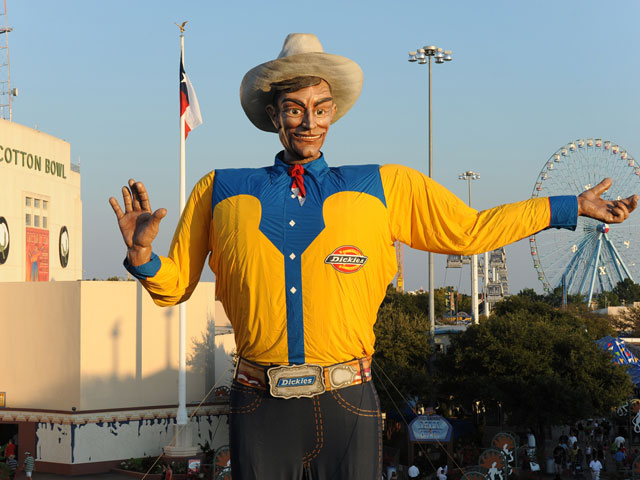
column 301, row 278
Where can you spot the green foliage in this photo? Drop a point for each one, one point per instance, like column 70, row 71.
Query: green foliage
column 5, row 471
column 627, row 291
column 418, row 303
column 403, row 352
column 607, row 299
column 142, row 465
column 540, row 363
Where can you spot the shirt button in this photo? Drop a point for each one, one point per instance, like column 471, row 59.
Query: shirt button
column 292, row 256
column 293, row 195
column 292, row 223
column 293, row 290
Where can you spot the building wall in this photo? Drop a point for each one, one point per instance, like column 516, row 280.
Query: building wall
column 37, row 166
column 91, row 371
column 129, row 351
column 41, row 344
column 99, row 345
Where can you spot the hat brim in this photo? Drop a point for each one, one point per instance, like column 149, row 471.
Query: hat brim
column 343, row 75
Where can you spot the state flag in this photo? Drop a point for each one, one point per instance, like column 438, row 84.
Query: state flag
column 188, row 102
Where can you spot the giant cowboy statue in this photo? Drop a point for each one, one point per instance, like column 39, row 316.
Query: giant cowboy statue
column 301, row 285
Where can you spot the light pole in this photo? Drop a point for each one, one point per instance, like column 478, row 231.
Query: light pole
column 470, row 175
column 421, row 56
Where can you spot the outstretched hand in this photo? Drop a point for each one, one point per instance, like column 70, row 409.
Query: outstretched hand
column 609, row 211
column 138, row 224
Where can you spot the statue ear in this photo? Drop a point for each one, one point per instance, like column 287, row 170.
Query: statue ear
column 273, row 115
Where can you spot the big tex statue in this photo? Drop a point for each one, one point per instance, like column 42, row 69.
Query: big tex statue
column 301, row 284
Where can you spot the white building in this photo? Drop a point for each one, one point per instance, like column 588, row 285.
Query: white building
column 89, row 375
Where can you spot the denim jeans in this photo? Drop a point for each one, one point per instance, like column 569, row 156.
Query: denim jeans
column 335, row 435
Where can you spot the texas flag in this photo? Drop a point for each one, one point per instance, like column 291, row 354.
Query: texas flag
column 188, row 102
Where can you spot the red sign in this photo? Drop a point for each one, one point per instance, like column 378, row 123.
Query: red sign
column 37, row 248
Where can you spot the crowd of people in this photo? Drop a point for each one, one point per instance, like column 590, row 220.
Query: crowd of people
column 592, row 447
column 8, row 451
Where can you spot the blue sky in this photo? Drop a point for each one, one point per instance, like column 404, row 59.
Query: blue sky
column 527, row 77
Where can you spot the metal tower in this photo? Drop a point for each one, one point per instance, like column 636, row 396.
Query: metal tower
column 400, row 260
column 5, row 72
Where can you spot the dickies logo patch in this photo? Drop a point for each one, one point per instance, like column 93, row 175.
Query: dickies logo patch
column 346, row 259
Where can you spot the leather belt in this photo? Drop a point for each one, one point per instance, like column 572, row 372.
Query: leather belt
column 306, row 380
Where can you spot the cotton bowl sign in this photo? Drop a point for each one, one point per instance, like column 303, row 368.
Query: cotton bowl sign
column 430, row 428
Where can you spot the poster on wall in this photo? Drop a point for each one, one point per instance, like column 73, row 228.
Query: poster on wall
column 37, row 248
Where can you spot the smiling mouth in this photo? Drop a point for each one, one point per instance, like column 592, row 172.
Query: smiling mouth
column 307, row 138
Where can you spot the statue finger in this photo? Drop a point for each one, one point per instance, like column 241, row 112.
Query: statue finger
column 135, row 194
column 143, row 196
column 116, row 208
column 126, row 196
column 160, row 214
column 631, row 202
column 602, row 187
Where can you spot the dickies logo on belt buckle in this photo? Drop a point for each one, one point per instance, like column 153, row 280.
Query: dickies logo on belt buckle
column 296, row 381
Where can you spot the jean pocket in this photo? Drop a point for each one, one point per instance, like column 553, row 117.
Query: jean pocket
column 360, row 400
column 245, row 399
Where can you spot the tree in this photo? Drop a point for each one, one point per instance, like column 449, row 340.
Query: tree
column 540, row 363
column 554, row 297
column 607, row 299
column 628, row 321
column 531, row 294
column 627, row 291
column 403, row 353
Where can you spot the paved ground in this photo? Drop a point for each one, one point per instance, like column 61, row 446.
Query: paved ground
column 97, row 476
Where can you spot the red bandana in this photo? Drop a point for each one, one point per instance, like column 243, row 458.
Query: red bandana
column 296, row 172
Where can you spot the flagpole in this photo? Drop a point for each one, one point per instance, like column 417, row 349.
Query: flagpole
column 181, row 416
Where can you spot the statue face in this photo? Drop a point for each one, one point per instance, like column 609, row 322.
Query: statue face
column 303, row 118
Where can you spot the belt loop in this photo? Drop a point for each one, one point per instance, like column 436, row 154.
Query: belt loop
column 362, row 372
column 235, row 370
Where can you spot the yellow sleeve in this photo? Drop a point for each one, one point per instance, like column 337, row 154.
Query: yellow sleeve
column 180, row 271
column 427, row 216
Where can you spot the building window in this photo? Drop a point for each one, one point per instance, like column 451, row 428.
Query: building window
column 36, row 203
column 44, row 222
column 27, row 219
column 44, row 204
column 36, row 221
column 27, row 201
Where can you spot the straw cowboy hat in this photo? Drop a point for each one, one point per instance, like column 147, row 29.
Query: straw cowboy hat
column 301, row 55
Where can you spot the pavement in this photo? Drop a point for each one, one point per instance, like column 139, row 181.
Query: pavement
column 96, row 476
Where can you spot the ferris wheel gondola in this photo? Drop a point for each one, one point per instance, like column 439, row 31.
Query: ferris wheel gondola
column 596, row 256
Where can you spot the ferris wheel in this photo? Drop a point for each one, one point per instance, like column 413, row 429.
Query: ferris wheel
column 596, row 256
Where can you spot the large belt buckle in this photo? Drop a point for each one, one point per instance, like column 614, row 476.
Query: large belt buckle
column 296, row 381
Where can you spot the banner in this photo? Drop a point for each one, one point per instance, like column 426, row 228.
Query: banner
column 37, row 248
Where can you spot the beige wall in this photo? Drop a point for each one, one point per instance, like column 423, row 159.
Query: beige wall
column 96, row 345
column 40, row 328
column 20, row 177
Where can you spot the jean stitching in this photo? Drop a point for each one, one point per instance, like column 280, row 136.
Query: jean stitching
column 353, row 409
column 319, row 432
column 251, row 407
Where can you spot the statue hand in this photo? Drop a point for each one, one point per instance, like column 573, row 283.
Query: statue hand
column 138, row 224
column 609, row 211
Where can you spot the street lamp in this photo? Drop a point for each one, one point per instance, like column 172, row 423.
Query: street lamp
column 470, row 175
column 422, row 56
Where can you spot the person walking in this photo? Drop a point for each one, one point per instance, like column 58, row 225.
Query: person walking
column 595, row 466
column 12, row 463
column 28, row 464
